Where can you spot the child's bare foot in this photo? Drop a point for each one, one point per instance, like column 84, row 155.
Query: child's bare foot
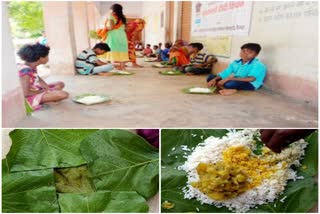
column 105, row 74
column 189, row 74
column 227, row 92
column 137, row 66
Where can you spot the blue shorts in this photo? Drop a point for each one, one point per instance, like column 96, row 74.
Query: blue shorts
column 234, row 84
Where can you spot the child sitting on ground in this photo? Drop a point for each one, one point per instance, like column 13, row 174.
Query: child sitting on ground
column 164, row 54
column 200, row 62
column 147, row 51
column 37, row 94
column 155, row 52
column 178, row 54
column 247, row 73
column 87, row 61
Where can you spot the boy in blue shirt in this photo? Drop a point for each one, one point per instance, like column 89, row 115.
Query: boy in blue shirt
column 164, row 54
column 247, row 73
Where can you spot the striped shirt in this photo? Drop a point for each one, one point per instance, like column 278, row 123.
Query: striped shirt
column 86, row 61
column 202, row 58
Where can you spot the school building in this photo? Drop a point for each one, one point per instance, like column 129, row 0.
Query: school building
column 287, row 32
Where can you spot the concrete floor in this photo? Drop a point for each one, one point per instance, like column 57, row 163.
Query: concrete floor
column 147, row 100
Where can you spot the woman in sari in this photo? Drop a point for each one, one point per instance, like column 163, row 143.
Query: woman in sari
column 178, row 54
column 133, row 29
column 116, row 36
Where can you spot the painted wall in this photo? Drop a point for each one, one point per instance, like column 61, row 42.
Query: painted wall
column 288, row 33
column 154, row 32
column 10, row 79
column 12, row 96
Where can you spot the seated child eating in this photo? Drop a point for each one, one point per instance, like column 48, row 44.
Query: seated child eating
column 178, row 54
column 87, row 61
column 200, row 62
column 155, row 52
column 37, row 94
column 164, row 54
column 247, row 73
column 147, row 51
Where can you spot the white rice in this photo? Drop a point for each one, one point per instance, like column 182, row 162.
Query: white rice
column 199, row 90
column 88, row 100
column 159, row 65
column 170, row 72
column 210, row 151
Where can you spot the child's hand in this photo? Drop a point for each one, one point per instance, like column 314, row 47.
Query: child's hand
column 197, row 65
column 212, row 83
column 222, row 82
column 278, row 139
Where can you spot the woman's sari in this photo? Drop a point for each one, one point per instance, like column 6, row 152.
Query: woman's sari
column 133, row 28
column 117, row 41
column 180, row 56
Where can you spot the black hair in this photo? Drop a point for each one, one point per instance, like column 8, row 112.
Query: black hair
column 168, row 45
column 102, row 46
column 117, row 9
column 33, row 52
column 197, row 45
column 252, row 46
column 156, row 46
column 148, row 45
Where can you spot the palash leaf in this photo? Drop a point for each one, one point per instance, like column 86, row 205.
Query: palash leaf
column 173, row 139
column 121, row 161
column 34, row 149
column 31, row 191
column 310, row 162
column 104, row 201
column 36, row 190
column 301, row 195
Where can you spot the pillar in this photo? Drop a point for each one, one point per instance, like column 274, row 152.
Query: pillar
column 59, row 29
column 13, row 109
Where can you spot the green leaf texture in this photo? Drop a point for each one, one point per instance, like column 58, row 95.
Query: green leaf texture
column 31, row 191
column 122, row 161
column 104, row 201
column 34, row 149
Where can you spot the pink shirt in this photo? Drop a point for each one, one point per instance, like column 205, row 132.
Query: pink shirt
column 147, row 51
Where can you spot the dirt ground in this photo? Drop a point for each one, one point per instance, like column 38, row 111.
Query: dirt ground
column 147, row 99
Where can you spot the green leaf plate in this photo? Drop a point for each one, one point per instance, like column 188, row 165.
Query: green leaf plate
column 119, row 160
column 105, row 98
column 122, row 73
column 302, row 195
column 103, row 201
column 160, row 65
column 28, row 191
column 187, row 90
column 171, row 72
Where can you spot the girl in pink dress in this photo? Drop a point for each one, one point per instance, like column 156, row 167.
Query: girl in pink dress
column 37, row 93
